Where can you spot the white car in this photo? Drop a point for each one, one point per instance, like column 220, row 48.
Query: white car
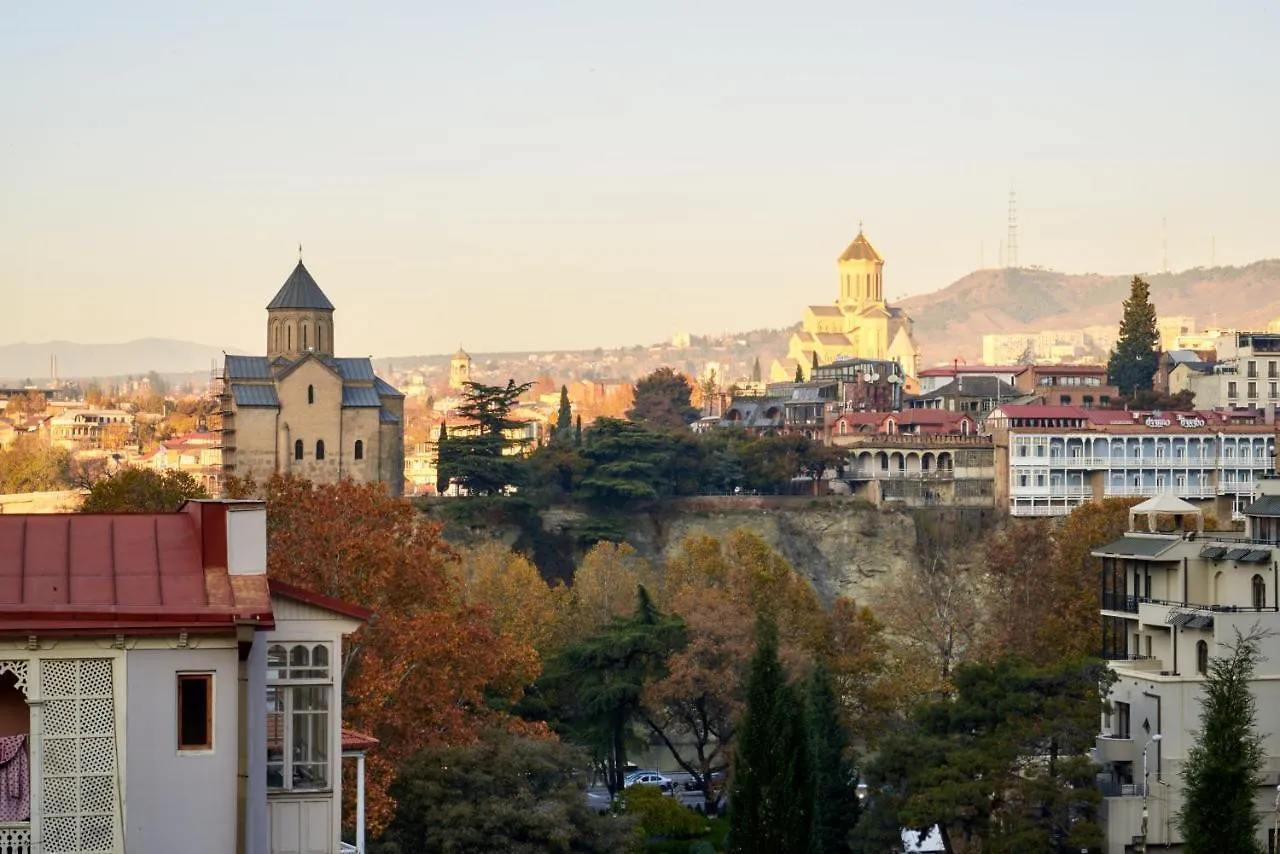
column 651, row 778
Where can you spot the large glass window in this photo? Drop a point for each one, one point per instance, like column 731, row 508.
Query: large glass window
column 299, row 723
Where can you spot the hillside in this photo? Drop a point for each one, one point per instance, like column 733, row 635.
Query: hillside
column 952, row 321
column 21, row 361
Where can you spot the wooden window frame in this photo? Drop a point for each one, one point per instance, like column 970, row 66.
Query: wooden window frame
column 207, row 678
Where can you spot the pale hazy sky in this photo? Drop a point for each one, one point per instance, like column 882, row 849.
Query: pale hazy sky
column 510, row 175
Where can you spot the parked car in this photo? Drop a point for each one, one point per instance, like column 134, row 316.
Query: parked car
column 651, row 778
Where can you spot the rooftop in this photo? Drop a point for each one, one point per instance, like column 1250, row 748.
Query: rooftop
column 300, row 291
column 860, row 250
column 84, row 573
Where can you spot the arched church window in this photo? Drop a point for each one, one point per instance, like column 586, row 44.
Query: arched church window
column 297, row 450
column 302, row 333
column 1202, row 657
column 359, row 449
column 319, row 449
column 1259, row 592
column 289, row 337
column 320, row 337
column 311, row 394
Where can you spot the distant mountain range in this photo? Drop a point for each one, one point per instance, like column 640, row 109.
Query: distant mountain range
column 23, row 361
column 949, row 323
column 952, row 321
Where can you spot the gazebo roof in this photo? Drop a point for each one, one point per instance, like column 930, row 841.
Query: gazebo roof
column 1165, row 503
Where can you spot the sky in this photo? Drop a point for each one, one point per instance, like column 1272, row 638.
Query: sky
column 555, row 175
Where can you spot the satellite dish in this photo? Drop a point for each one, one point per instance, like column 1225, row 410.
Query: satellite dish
column 868, row 377
column 895, row 379
column 875, row 377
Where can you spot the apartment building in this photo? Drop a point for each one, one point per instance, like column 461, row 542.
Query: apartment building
column 1169, row 602
column 89, row 429
column 1247, row 372
column 1051, row 459
column 1067, row 385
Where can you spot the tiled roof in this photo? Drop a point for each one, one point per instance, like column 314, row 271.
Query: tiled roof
column 300, row 291
column 358, row 396
column 254, row 395
column 248, row 368
column 386, row 389
column 825, row 311
column 354, row 369
column 975, row 386
column 1267, row 505
column 860, row 250
column 87, row 573
column 357, row 742
column 386, row 416
column 832, row 338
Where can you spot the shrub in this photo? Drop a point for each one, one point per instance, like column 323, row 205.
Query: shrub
column 660, row 815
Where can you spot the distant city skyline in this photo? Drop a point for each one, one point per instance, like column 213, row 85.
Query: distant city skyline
column 570, row 175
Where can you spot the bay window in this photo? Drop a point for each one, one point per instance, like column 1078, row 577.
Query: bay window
column 299, row 719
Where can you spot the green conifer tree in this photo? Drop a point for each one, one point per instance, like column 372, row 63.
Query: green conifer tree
column 564, row 418
column 577, row 433
column 1221, row 772
column 799, row 373
column 442, row 453
column 756, row 373
column 1133, row 363
column 771, row 800
column 835, row 782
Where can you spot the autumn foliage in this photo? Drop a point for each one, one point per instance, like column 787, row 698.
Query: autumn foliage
column 427, row 667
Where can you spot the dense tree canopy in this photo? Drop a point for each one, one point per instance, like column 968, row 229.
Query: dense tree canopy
column 1004, row 765
column 32, row 466
column 429, row 668
column 662, row 401
column 503, row 794
column 1134, row 361
column 134, row 490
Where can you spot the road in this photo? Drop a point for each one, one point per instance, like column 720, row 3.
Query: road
column 598, row 796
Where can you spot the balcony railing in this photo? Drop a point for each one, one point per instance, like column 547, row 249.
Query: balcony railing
column 15, row 837
column 1217, row 461
column 1069, row 490
column 1042, row 509
column 1121, row 602
column 1182, row 490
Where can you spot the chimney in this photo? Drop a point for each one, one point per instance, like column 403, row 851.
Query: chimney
column 232, row 534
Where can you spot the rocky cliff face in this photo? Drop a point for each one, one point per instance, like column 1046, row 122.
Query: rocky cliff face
column 845, row 547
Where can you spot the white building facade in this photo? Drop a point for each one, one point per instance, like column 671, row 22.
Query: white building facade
column 1050, row 469
column 1169, row 603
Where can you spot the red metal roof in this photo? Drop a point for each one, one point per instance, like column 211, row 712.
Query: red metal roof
column 114, row 573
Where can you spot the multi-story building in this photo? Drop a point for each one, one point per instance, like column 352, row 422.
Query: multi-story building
column 1067, row 385
column 89, row 429
column 299, row 410
column 919, row 470
column 1247, row 372
column 1051, row 459
column 1169, row 603
column 865, row 384
column 197, row 454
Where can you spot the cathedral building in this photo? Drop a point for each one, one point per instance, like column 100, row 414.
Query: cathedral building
column 858, row 325
column 300, row 410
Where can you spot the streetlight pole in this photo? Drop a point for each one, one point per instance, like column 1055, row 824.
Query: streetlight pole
column 1146, row 786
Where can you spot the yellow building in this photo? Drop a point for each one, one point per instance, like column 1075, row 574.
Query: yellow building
column 459, row 370
column 859, row 325
column 299, row 410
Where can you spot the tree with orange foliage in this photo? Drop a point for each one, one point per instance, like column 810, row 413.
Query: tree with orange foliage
column 426, row 667
column 1019, row 558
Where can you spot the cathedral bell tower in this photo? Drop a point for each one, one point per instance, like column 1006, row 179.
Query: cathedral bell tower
column 861, row 275
column 299, row 319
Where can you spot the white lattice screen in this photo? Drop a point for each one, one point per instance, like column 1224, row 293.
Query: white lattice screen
column 80, row 783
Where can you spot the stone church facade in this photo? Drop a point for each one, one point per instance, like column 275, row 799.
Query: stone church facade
column 858, row 325
column 300, row 410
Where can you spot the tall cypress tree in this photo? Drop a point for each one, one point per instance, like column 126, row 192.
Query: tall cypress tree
column 1221, row 772
column 771, row 800
column 756, row 373
column 835, row 782
column 799, row 373
column 442, row 460
column 564, row 418
column 1133, row 363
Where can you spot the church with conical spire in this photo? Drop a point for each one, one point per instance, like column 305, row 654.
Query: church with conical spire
column 301, row 410
column 860, row 324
